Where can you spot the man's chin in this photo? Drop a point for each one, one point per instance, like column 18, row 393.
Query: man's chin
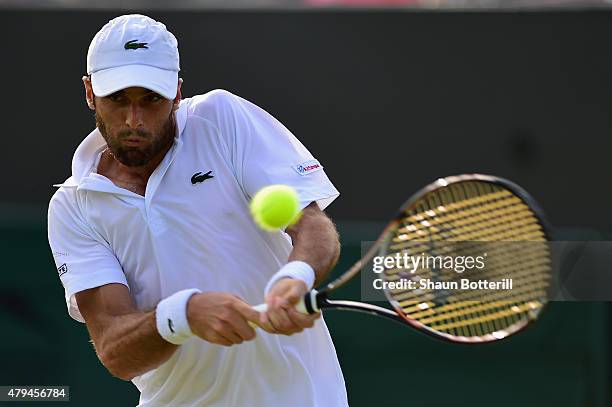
column 132, row 158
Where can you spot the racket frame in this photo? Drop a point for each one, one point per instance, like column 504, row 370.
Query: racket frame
column 318, row 299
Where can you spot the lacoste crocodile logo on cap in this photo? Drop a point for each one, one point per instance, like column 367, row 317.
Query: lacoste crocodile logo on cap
column 134, row 44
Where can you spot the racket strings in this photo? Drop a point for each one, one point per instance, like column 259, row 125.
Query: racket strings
column 423, row 306
column 471, row 223
column 500, row 260
column 501, row 263
column 472, row 212
column 465, row 248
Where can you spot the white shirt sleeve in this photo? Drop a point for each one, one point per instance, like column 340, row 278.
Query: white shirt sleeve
column 264, row 152
column 82, row 261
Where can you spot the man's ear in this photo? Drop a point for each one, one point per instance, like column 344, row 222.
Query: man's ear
column 177, row 99
column 89, row 95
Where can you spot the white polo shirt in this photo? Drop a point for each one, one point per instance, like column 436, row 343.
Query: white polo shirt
column 183, row 234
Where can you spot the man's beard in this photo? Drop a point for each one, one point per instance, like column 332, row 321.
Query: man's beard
column 138, row 156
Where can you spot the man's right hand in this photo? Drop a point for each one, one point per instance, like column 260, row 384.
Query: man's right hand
column 221, row 318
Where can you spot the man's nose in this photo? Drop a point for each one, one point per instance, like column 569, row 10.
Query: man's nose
column 134, row 116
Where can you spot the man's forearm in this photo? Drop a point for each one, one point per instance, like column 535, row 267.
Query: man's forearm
column 315, row 241
column 131, row 345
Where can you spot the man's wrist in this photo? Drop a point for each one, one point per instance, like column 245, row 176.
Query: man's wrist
column 171, row 317
column 298, row 270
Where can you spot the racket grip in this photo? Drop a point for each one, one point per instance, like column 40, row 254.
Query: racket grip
column 300, row 306
column 261, row 307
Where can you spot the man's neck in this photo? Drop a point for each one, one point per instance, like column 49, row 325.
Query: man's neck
column 111, row 167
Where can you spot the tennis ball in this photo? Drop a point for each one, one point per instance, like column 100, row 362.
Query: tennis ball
column 275, row 207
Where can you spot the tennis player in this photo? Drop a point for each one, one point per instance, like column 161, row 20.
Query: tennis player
column 157, row 251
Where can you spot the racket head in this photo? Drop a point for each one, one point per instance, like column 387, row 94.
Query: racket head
column 471, row 208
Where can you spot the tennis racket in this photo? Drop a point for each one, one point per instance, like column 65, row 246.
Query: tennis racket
column 458, row 216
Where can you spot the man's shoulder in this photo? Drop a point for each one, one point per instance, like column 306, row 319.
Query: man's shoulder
column 64, row 197
column 210, row 104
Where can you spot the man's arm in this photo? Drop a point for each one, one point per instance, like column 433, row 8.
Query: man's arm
column 127, row 341
column 315, row 241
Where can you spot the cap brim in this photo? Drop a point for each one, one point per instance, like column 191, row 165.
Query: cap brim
column 111, row 80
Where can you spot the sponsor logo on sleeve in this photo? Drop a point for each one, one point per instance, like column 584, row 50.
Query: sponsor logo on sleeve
column 308, row 167
column 63, row 269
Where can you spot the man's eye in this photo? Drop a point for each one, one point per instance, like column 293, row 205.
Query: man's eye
column 115, row 98
column 154, row 98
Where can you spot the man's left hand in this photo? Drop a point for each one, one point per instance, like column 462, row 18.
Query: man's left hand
column 281, row 316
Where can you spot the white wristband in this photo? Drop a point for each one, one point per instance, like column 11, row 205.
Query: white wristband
column 171, row 317
column 294, row 269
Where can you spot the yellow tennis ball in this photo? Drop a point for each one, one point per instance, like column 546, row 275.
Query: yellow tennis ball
column 275, row 207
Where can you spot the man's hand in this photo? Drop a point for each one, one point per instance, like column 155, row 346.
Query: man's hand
column 282, row 317
column 221, row 318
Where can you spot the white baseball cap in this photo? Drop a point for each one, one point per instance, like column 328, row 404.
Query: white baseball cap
column 134, row 50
